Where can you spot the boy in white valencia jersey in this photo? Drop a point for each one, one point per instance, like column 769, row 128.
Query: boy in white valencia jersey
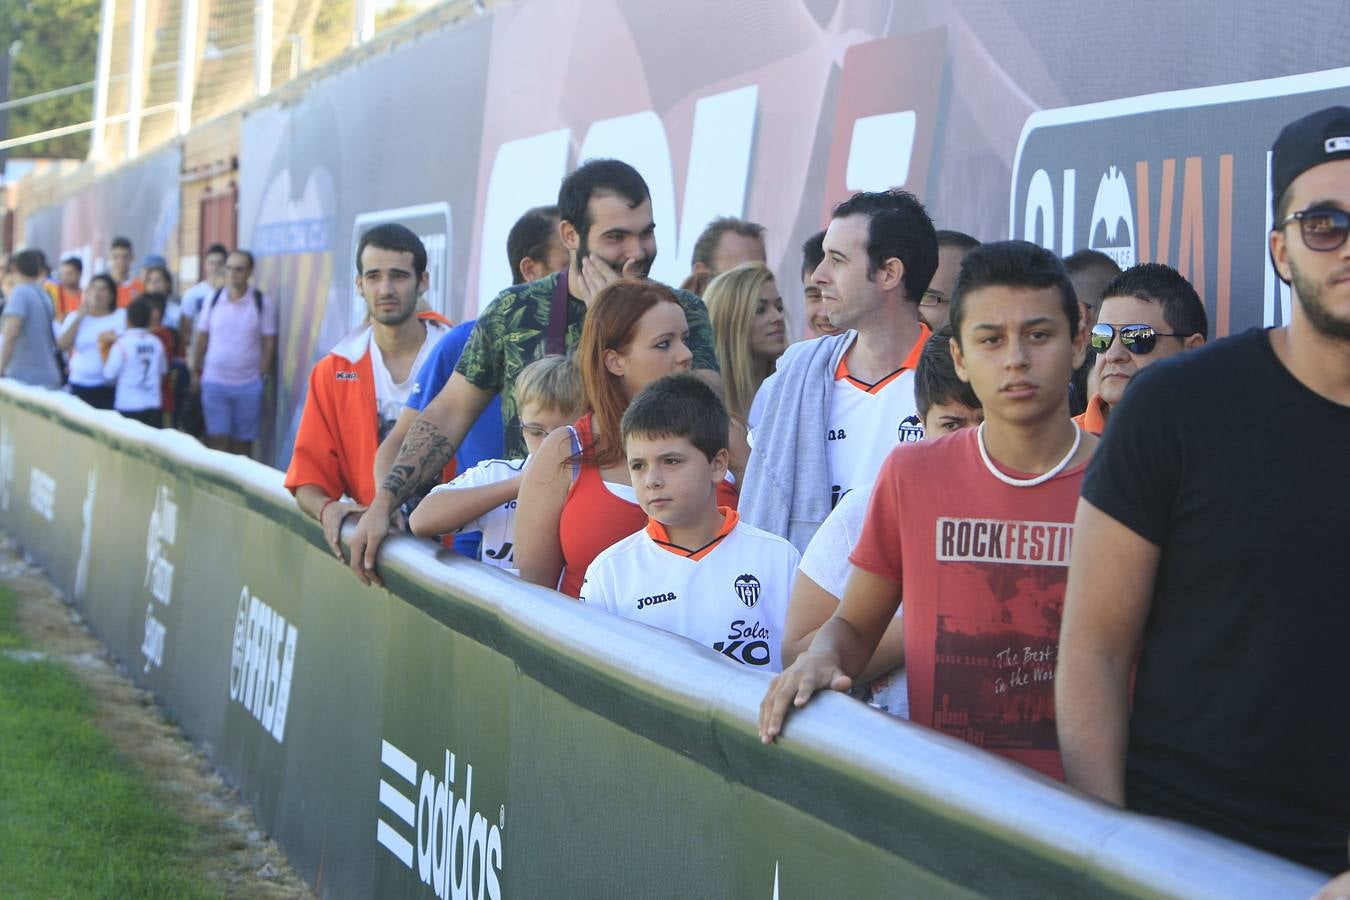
column 137, row 364
column 696, row 569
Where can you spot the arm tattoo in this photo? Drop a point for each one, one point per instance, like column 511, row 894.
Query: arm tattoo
column 424, row 453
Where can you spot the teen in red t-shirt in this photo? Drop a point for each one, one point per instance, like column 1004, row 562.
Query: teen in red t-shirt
column 973, row 531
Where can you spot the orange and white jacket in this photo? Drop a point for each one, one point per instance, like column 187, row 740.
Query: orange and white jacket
column 339, row 428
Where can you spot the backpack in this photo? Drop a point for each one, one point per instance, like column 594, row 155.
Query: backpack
column 207, row 310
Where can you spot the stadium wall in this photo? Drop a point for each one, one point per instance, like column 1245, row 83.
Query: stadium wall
column 140, row 201
column 464, row 735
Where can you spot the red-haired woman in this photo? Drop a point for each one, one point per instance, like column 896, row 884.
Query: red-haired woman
column 576, row 498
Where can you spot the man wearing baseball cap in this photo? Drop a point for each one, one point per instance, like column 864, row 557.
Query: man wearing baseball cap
column 1211, row 543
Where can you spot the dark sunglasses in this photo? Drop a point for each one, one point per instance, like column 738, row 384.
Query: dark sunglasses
column 1138, row 339
column 1322, row 229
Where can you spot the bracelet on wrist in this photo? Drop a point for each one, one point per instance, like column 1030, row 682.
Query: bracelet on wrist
column 325, row 506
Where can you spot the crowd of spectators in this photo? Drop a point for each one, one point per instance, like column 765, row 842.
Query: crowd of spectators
column 62, row 330
column 1021, row 500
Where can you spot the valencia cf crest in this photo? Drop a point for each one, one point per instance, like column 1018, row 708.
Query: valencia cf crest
column 910, row 431
column 747, row 588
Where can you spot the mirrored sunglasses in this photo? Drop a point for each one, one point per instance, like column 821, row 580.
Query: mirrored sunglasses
column 1138, row 339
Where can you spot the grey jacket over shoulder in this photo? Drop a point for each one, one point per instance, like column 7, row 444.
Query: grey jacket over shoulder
column 787, row 480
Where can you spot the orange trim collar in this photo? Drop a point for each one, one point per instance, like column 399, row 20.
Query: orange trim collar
column 657, row 532
column 911, row 362
column 1093, row 419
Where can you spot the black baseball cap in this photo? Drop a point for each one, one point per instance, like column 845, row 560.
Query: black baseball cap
column 1314, row 139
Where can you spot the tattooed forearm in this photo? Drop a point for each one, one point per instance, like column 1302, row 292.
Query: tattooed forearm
column 424, row 453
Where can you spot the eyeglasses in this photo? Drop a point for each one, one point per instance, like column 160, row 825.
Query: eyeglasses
column 932, row 298
column 1138, row 339
column 533, row 431
column 1322, row 229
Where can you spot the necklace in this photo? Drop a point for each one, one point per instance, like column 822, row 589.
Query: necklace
column 1027, row 482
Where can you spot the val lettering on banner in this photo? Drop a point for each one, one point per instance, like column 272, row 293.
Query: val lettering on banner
column 1180, row 178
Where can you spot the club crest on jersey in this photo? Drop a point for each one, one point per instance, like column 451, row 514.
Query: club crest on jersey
column 747, row 588
column 911, row 430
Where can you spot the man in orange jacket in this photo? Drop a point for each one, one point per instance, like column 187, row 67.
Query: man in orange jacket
column 357, row 391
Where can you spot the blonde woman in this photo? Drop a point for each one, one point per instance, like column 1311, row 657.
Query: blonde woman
column 749, row 330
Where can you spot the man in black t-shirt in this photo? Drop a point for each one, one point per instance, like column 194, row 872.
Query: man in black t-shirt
column 1211, row 541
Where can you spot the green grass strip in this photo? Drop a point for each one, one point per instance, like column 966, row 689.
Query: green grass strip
column 75, row 819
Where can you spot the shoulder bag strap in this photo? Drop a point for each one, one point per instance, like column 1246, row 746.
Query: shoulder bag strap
column 555, row 338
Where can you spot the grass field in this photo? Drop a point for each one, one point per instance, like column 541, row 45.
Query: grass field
column 75, row 819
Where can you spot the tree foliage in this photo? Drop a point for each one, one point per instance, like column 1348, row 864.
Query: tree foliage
column 56, row 45
column 332, row 29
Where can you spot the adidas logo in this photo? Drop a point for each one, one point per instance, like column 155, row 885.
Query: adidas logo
column 451, row 839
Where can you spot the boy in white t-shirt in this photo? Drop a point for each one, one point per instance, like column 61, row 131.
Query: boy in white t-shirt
column 696, row 569
column 137, row 365
column 483, row 498
column 945, row 404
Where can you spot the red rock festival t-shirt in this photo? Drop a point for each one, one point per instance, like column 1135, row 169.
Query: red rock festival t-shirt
column 983, row 566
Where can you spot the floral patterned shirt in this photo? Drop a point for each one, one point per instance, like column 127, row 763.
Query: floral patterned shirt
column 511, row 333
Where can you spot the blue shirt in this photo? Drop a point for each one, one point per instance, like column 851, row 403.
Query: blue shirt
column 484, row 440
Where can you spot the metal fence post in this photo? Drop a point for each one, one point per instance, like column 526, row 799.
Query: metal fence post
column 102, row 75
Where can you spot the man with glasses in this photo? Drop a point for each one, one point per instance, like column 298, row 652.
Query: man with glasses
column 935, row 304
column 236, row 345
column 1210, row 560
column 1147, row 313
column 1091, row 271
